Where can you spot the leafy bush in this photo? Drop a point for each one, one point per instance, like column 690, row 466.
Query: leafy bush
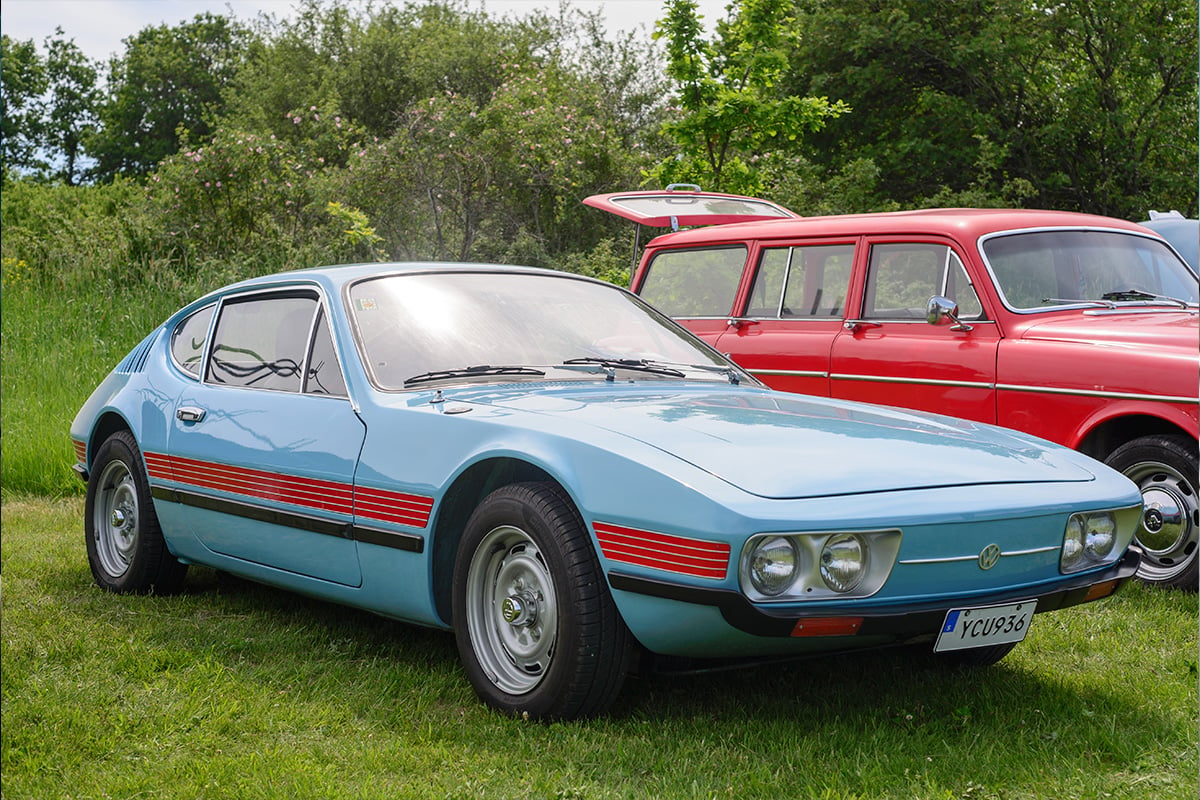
column 75, row 236
column 260, row 200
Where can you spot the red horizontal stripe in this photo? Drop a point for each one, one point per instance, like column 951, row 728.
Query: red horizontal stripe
column 325, row 495
column 389, row 506
column 80, row 450
column 696, row 557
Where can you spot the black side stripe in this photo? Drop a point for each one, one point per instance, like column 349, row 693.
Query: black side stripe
column 409, row 542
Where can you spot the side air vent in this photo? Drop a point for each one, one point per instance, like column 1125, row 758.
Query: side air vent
column 136, row 360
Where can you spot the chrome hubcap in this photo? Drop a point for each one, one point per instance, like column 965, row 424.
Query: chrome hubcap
column 1163, row 521
column 1168, row 530
column 519, row 609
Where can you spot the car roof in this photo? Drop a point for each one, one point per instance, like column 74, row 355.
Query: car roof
column 341, row 274
column 1181, row 232
column 969, row 223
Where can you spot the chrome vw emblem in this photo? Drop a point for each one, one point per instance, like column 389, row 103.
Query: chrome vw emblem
column 989, row 556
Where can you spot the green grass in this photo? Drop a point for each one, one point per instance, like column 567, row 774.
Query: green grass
column 56, row 347
column 233, row 690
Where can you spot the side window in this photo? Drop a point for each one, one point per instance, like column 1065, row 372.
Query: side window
column 323, row 375
column 188, row 338
column 959, row 289
column 694, row 283
column 260, row 342
column 801, row 282
column 902, row 277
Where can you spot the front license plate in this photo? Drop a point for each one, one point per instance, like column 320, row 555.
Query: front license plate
column 980, row 627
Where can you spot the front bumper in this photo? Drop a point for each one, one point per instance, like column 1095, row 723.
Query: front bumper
column 898, row 622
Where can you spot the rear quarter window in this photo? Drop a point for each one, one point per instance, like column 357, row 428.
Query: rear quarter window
column 694, row 283
column 188, row 338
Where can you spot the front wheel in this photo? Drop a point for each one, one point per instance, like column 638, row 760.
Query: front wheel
column 1165, row 468
column 125, row 546
column 537, row 630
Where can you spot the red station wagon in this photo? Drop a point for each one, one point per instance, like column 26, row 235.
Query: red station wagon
column 1076, row 328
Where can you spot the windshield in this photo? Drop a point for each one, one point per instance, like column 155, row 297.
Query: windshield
column 470, row 326
column 1046, row 269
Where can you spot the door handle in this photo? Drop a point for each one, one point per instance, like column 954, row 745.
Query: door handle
column 189, row 414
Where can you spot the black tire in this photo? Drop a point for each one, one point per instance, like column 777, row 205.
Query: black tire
column 125, row 545
column 1165, row 468
column 537, row 630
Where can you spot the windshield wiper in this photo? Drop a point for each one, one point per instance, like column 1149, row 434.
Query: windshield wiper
column 638, row 364
column 471, row 372
column 1068, row 301
column 1138, row 294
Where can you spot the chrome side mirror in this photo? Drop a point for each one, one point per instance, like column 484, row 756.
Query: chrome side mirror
column 940, row 309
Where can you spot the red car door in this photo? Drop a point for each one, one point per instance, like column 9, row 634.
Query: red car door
column 786, row 324
column 887, row 352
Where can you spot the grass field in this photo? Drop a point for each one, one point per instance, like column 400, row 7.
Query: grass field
column 233, row 690
column 57, row 346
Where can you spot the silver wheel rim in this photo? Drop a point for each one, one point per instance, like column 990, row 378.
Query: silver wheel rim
column 512, row 611
column 115, row 519
column 1167, row 532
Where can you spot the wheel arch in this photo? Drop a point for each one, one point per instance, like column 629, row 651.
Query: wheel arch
column 106, row 425
column 464, row 494
column 1109, row 434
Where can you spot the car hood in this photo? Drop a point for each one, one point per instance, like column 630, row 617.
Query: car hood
column 1141, row 327
column 788, row 446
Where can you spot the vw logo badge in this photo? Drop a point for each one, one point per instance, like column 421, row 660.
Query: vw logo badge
column 1153, row 519
column 989, row 556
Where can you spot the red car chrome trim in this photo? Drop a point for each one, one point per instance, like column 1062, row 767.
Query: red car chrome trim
column 1159, row 398
column 695, row 557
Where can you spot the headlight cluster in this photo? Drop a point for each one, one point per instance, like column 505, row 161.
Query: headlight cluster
column 1094, row 538
column 818, row 566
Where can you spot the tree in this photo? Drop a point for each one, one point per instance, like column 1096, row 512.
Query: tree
column 170, row 79
column 1080, row 104
column 731, row 109
column 22, row 83
column 71, row 104
column 1127, row 77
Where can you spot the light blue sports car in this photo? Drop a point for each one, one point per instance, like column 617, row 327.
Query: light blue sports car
column 571, row 482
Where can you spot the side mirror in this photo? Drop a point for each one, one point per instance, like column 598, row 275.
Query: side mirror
column 940, row 309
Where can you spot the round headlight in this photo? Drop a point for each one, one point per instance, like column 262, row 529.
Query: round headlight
column 843, row 562
column 1101, row 535
column 1073, row 541
column 773, row 565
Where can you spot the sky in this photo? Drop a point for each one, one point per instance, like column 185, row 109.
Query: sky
column 99, row 26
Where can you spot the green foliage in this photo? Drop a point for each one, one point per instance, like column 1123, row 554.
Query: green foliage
column 71, row 236
column 259, row 201
column 22, row 83
column 170, row 80
column 70, row 115
column 498, row 181
column 730, row 109
column 1087, row 105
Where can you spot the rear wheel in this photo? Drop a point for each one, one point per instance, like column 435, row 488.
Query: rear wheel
column 125, row 546
column 537, row 630
column 1165, row 468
